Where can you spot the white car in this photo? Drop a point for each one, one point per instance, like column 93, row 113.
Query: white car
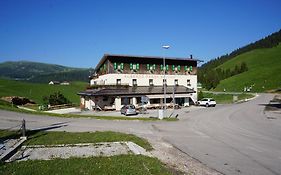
column 207, row 102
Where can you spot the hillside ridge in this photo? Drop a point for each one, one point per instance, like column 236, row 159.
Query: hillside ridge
column 41, row 72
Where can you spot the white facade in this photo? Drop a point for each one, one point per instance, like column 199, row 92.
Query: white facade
column 141, row 77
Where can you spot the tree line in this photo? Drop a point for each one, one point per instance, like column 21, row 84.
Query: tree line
column 211, row 78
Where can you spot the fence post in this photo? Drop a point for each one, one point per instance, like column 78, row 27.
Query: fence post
column 23, row 128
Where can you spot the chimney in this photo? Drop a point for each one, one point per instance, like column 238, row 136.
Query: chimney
column 191, row 56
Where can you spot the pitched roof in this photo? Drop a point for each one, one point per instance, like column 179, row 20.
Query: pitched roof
column 106, row 56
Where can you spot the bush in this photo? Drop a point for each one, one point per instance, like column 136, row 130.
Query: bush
column 56, row 98
column 21, row 101
column 200, row 95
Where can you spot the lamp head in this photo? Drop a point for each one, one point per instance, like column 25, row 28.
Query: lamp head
column 165, row 47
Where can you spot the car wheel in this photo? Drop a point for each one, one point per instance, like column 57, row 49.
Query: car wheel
column 207, row 104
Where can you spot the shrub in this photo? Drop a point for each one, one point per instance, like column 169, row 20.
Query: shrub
column 56, row 98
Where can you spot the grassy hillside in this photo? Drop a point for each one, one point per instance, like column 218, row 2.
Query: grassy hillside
column 264, row 71
column 41, row 72
column 36, row 91
column 74, row 75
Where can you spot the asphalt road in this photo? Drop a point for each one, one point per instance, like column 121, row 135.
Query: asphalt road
column 233, row 139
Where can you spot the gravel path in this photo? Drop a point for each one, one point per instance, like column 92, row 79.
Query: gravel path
column 48, row 152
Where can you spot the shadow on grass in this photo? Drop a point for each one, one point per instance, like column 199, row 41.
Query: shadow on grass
column 31, row 134
column 36, row 133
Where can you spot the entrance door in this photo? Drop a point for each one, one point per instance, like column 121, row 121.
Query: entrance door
column 179, row 101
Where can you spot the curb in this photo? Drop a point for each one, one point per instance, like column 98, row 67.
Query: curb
column 12, row 150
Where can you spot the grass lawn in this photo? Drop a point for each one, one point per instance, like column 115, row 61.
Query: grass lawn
column 54, row 138
column 36, row 91
column 122, row 164
column 226, row 98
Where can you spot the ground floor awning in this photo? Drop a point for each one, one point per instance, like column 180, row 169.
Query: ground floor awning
column 138, row 91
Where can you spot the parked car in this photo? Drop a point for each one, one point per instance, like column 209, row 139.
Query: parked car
column 128, row 110
column 207, row 102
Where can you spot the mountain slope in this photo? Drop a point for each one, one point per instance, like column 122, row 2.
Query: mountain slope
column 264, row 71
column 75, row 75
column 41, row 72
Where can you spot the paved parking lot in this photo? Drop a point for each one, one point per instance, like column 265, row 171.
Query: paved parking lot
column 147, row 114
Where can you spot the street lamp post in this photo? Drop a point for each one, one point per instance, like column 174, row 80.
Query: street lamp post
column 165, row 82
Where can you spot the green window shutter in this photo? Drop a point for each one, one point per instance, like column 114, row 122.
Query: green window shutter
column 138, row 66
column 167, row 67
column 154, row 66
column 190, row 68
column 122, row 66
column 161, row 67
column 147, row 67
column 115, row 66
column 179, row 67
column 173, row 67
column 185, row 68
column 131, row 66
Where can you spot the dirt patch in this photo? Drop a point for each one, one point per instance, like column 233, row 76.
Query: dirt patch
column 175, row 159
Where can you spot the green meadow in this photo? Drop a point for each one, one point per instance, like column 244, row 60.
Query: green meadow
column 264, row 71
column 36, row 91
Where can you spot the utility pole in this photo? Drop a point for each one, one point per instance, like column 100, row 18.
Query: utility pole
column 165, row 81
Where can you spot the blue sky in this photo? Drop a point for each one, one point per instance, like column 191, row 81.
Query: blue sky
column 78, row 33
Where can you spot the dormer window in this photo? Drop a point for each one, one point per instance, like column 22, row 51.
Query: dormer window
column 176, row 68
column 188, row 69
column 103, row 68
column 118, row 66
column 151, row 67
column 162, row 67
column 134, row 66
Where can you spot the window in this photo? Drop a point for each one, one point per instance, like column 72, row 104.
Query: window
column 118, row 66
column 150, row 67
column 188, row 82
column 118, row 82
column 134, row 82
column 165, row 81
column 134, row 66
column 176, row 82
column 150, row 82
